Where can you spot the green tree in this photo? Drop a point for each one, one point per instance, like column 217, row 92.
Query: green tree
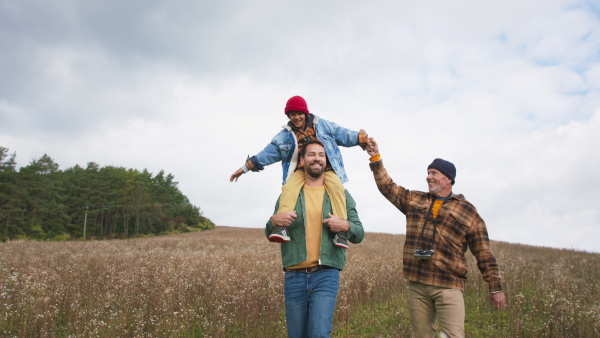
column 77, row 191
column 8, row 194
column 42, row 202
column 42, row 185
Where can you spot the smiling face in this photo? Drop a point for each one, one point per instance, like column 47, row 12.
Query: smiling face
column 298, row 119
column 314, row 160
column 439, row 184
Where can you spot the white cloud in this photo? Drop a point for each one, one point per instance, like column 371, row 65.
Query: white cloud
column 509, row 91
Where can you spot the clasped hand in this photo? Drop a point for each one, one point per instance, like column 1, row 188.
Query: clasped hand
column 372, row 147
column 336, row 224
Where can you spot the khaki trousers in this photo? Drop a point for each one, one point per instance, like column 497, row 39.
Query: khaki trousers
column 428, row 303
column 333, row 185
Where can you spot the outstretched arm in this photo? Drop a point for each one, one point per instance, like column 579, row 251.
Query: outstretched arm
column 269, row 155
column 343, row 136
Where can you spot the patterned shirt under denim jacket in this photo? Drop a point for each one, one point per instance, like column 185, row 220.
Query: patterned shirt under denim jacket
column 284, row 147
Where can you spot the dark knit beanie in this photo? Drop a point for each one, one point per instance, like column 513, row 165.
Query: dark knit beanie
column 296, row 103
column 445, row 167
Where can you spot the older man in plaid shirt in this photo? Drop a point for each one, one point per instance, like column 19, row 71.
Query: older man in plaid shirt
column 440, row 226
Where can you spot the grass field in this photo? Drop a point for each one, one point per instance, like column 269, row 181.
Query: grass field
column 227, row 282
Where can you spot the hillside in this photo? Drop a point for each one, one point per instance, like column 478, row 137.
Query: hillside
column 227, row 282
column 40, row 201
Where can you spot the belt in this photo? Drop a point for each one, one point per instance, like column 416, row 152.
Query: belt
column 309, row 270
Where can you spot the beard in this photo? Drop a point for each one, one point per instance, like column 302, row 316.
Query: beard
column 315, row 173
column 435, row 188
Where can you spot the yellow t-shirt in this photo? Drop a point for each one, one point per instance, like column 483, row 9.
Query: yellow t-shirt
column 436, row 208
column 313, row 202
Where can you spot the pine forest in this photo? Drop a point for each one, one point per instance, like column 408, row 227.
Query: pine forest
column 41, row 202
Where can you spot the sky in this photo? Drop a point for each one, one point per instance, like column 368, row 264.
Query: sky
column 509, row 91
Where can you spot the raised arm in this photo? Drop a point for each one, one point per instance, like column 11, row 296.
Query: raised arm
column 394, row 193
column 272, row 153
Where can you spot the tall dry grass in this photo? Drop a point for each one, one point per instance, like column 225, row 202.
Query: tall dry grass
column 227, row 282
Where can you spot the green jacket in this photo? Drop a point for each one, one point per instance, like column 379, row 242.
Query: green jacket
column 294, row 251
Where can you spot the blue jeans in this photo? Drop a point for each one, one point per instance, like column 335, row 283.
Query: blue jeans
column 310, row 302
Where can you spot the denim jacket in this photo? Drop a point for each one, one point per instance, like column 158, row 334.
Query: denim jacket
column 284, row 148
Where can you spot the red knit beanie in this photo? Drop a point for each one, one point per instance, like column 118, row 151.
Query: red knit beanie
column 296, row 103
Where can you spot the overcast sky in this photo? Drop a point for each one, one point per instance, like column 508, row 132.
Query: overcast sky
column 509, row 91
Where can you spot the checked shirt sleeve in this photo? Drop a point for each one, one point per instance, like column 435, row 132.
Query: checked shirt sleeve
column 479, row 244
column 390, row 190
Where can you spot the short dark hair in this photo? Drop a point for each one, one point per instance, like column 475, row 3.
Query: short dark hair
column 313, row 141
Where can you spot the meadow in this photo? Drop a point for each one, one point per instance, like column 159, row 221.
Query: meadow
column 227, row 282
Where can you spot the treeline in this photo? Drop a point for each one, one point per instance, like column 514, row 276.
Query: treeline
column 40, row 202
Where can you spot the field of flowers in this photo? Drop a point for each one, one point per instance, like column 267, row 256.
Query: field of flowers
column 227, row 282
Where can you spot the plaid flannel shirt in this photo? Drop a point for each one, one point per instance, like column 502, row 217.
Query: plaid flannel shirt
column 459, row 227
